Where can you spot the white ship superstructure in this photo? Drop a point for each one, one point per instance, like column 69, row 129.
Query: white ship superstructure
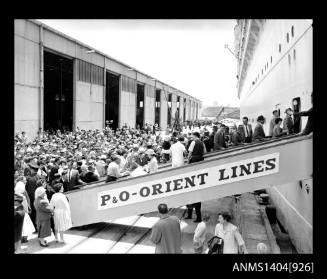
column 275, row 71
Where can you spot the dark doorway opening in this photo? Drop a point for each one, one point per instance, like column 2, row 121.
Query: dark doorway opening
column 184, row 110
column 58, row 92
column 140, row 106
column 157, row 109
column 296, row 102
column 112, row 100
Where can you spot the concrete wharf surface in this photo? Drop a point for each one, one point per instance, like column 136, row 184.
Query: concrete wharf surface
column 130, row 235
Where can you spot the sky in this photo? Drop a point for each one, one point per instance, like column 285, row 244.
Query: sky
column 186, row 54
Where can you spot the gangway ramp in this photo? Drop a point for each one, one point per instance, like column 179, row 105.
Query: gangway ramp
column 236, row 171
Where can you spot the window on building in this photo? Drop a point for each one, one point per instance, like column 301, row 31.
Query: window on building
column 289, row 59
column 270, row 59
column 292, row 31
column 280, row 48
column 287, row 37
column 88, row 72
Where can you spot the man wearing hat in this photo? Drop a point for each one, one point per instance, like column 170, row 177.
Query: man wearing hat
column 31, row 185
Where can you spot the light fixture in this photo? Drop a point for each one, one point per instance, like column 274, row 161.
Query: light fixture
column 130, row 69
column 90, row 51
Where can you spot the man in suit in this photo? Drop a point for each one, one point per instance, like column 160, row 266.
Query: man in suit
column 246, row 130
column 30, row 187
column 61, row 178
column 73, row 177
column 196, row 151
column 54, row 169
column 212, row 136
column 288, row 123
column 219, row 142
column 259, row 133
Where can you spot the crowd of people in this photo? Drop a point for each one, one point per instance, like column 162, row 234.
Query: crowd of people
column 55, row 162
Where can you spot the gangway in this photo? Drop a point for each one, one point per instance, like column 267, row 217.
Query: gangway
column 233, row 171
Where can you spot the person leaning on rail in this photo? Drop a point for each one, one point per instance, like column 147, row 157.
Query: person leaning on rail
column 309, row 126
column 259, row 133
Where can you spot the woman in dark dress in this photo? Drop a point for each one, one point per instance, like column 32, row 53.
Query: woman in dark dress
column 43, row 215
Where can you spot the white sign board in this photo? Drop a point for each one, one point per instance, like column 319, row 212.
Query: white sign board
column 190, row 181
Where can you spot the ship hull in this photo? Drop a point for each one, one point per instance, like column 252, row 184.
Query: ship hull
column 278, row 73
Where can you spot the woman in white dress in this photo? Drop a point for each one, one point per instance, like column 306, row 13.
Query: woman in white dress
column 28, row 227
column 233, row 241
column 61, row 210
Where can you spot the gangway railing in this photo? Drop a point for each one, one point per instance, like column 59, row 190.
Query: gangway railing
column 232, row 171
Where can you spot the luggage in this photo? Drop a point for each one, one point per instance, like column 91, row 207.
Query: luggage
column 215, row 245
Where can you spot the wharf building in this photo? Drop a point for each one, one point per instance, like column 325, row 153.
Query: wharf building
column 63, row 83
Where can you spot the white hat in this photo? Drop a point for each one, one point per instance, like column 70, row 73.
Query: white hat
column 39, row 192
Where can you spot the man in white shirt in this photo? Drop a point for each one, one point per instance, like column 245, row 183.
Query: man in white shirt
column 177, row 152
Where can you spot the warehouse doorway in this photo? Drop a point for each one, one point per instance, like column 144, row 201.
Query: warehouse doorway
column 140, row 106
column 58, row 92
column 112, row 100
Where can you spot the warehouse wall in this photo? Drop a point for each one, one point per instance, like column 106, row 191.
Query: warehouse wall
column 149, row 104
column 89, row 105
column 128, row 109
column 88, row 98
column 27, row 77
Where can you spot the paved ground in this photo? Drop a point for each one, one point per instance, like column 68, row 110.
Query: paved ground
column 131, row 234
column 118, row 237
